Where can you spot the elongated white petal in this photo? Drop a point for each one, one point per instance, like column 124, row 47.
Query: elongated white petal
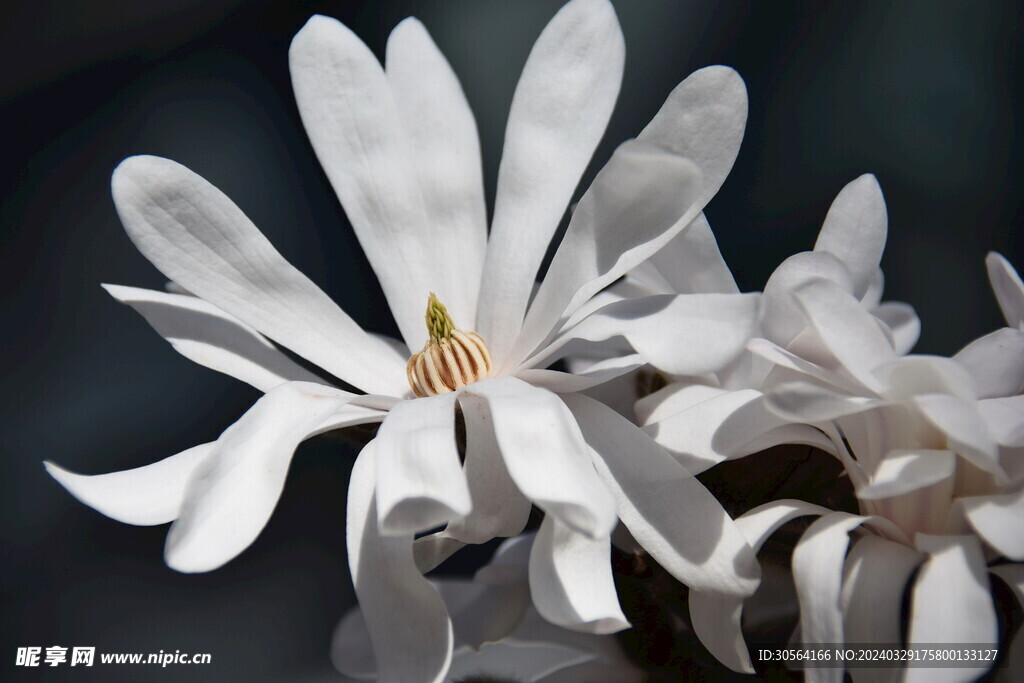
column 691, row 334
column 855, row 230
column 965, row 430
column 406, row 618
column 197, row 237
column 498, row 508
column 672, row 399
column 596, row 374
column 806, row 402
column 646, row 187
column 783, row 320
column 559, row 111
column 909, row 376
column 571, row 580
column 1008, row 288
column 951, row 603
column 903, row 471
column 420, row 483
column 353, row 121
column 703, row 119
column 999, row 519
column 716, row 616
column 445, row 150
column 546, row 455
column 902, row 320
column 233, row 491
column 691, row 262
column 666, row 509
column 775, row 354
column 995, row 362
column 207, row 335
column 145, row 496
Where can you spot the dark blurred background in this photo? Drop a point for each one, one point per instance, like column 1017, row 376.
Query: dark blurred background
column 924, row 94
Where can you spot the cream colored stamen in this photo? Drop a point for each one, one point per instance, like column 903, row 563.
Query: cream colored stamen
column 451, row 358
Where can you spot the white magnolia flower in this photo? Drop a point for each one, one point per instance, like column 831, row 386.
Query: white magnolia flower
column 400, row 148
column 498, row 634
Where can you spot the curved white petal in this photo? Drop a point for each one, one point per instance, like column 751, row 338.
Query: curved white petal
column 775, row 354
column 783, row 319
column 210, row 337
column 692, row 264
column 689, row 334
column 999, row 519
column 571, row 580
column 198, row 238
column 559, row 112
column 855, row 229
column 546, row 455
column 903, row 471
column 353, row 121
column 716, row 616
column 1005, row 419
column 951, row 603
column 596, row 374
column 995, row 362
column 645, row 187
column 233, row 491
column 1008, row 288
column 908, row 376
column 351, row 647
column 445, row 150
column 673, row 398
column 406, row 618
column 420, row 483
column 145, row 496
column 431, row 550
column 498, row 508
column 666, row 509
column 806, row 402
column 966, row 432
column 902, row 320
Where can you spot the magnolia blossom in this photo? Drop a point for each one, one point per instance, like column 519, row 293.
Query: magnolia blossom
column 399, row 146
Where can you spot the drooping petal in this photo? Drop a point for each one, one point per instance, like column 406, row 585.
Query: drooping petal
column 951, row 603
column 965, row 430
column 691, row 262
column 995, row 362
column 690, row 334
column 420, row 484
column 1008, row 288
column 406, row 618
column 198, row 238
column 903, row 471
column 716, row 616
column 559, row 112
column 666, row 509
column 546, row 455
column 855, row 230
column 210, row 337
column 571, row 580
column 902, row 320
column 498, row 508
column 145, row 496
column 646, row 187
column 999, row 519
column 353, row 121
column 233, row 491
column 445, row 150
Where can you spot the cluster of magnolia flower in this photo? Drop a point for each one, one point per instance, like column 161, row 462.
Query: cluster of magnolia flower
column 517, row 396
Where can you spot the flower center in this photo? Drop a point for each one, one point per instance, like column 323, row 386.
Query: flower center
column 450, row 359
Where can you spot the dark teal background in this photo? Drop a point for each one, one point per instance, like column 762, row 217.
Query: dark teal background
column 924, row 94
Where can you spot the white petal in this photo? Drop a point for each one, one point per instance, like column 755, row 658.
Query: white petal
column 783, row 319
column 431, row 550
column 672, row 399
column 783, row 358
column 855, row 230
column 1005, row 419
column 233, row 491
column 690, row 334
column 872, row 298
column 666, row 509
column 145, row 496
column 995, row 362
column 351, row 647
column 966, row 432
column 903, row 471
column 596, row 374
column 353, row 121
column 420, row 484
column 197, row 237
column 716, row 616
column 951, row 603
column 406, row 618
column 703, row 120
column 559, row 112
column 210, row 337
column 499, row 509
column 999, row 520
column 849, row 332
column 908, row 376
column 571, row 580
column 493, row 614
column 806, row 402
column 645, row 187
column 546, row 455
column 691, row 262
column 445, row 149
column 902, row 320
column 1008, row 287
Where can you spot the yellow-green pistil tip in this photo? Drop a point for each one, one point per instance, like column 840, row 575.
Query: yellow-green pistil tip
column 439, row 321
